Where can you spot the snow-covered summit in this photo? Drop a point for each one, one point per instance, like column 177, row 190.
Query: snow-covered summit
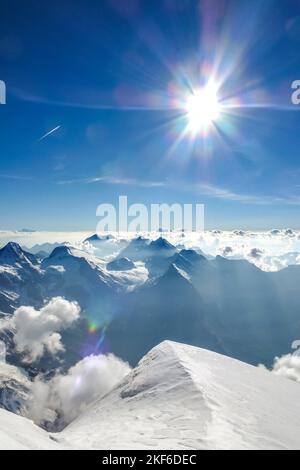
column 178, row 397
column 99, row 238
column 13, row 254
column 182, row 397
column 174, row 275
column 136, row 250
column 61, row 252
column 12, row 249
column 161, row 244
column 120, row 264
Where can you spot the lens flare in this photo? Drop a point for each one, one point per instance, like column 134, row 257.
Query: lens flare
column 92, row 327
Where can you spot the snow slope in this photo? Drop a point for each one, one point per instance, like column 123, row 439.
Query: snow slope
column 14, row 388
column 179, row 397
column 182, row 397
column 17, row 433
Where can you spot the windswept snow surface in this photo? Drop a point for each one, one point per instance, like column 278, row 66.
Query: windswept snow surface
column 17, row 433
column 179, row 397
column 182, row 397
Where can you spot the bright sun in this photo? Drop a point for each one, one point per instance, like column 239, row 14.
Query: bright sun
column 203, row 108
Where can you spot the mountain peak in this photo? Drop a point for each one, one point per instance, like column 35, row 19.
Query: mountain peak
column 162, row 243
column 174, row 272
column 174, row 278
column 120, row 264
column 136, row 250
column 188, row 260
column 12, row 248
column 98, row 238
column 12, row 253
column 191, row 255
column 61, row 252
column 139, row 240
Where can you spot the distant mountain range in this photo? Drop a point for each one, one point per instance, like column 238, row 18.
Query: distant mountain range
column 229, row 306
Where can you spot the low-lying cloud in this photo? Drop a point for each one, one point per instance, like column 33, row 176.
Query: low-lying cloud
column 56, row 403
column 38, row 331
column 287, row 366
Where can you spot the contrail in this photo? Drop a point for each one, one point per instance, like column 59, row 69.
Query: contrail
column 49, row 133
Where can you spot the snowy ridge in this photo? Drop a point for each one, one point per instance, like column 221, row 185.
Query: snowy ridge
column 178, row 397
column 182, row 397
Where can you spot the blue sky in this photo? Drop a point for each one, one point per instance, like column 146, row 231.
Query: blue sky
column 111, row 75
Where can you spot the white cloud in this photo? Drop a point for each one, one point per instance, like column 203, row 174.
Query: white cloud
column 15, row 177
column 37, row 331
column 287, row 366
column 204, row 189
column 66, row 396
column 116, row 180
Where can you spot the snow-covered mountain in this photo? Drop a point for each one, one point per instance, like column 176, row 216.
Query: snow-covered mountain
column 161, row 247
column 229, row 306
column 13, row 255
column 156, row 254
column 97, row 238
column 14, row 389
column 120, row 264
column 105, row 245
column 45, row 248
column 253, row 315
column 67, row 271
column 178, row 397
column 19, row 277
column 166, row 308
column 136, row 250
